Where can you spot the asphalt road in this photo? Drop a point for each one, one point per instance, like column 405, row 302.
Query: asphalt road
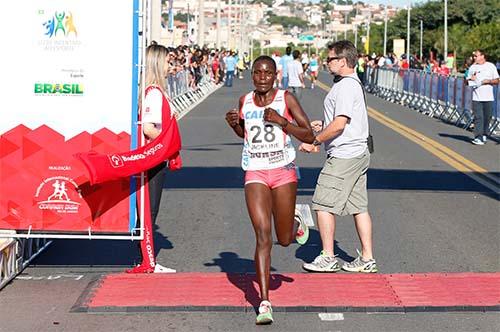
column 428, row 217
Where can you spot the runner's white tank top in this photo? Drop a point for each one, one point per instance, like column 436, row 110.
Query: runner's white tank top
column 266, row 145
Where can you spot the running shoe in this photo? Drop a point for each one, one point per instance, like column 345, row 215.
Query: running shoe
column 323, row 263
column 477, row 141
column 302, row 230
column 265, row 315
column 360, row 265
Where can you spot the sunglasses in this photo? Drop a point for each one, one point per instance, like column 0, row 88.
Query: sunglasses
column 331, row 58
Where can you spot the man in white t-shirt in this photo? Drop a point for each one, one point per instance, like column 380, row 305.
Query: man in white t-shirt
column 341, row 187
column 482, row 76
column 295, row 75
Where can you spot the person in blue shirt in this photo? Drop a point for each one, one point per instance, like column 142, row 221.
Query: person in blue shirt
column 230, row 62
column 285, row 59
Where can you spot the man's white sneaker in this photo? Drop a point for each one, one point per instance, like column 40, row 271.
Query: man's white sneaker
column 360, row 265
column 477, row 141
column 323, row 263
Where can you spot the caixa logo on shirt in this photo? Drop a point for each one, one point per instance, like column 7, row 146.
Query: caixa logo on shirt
column 52, row 89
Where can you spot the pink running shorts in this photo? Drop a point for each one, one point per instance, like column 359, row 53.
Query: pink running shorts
column 273, row 178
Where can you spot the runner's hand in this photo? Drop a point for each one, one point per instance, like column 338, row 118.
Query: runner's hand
column 317, row 125
column 232, row 118
column 271, row 115
column 308, row 148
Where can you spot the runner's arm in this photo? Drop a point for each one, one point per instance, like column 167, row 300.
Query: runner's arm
column 235, row 122
column 302, row 129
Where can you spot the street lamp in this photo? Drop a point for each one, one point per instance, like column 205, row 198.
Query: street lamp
column 385, row 31
column 356, row 35
column 421, row 37
column 217, row 37
column 408, row 34
column 368, row 33
column 346, row 14
column 201, row 22
column 445, row 30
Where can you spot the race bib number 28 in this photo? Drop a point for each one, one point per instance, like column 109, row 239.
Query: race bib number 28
column 264, row 137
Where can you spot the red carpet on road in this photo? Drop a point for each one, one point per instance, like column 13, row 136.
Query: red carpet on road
column 293, row 292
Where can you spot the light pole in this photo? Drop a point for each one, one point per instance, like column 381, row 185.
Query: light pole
column 408, row 34
column 385, row 31
column 217, row 36
column 445, row 30
column 229, row 14
column 368, row 33
column 421, row 37
column 356, row 36
column 201, row 22
column 345, row 28
column 356, row 30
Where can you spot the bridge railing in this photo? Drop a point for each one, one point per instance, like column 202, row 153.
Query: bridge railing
column 448, row 98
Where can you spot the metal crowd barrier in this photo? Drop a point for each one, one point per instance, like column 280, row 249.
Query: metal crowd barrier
column 448, row 98
column 16, row 254
column 184, row 97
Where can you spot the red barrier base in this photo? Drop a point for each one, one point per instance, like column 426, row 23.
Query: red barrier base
column 293, row 292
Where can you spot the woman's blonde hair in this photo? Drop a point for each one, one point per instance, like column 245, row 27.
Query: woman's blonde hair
column 156, row 56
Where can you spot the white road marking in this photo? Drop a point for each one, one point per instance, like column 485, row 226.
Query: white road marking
column 51, row 277
column 330, row 316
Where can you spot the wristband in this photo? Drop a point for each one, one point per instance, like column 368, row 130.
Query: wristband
column 316, row 142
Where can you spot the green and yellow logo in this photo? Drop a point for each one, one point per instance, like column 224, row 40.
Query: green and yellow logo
column 58, row 89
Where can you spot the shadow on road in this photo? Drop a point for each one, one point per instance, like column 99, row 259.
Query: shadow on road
column 97, row 253
column 241, row 273
column 462, row 138
column 378, row 179
column 308, row 252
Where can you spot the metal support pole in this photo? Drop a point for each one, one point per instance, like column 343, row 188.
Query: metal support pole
column 240, row 47
column 356, row 36
column 445, row 29
column 245, row 16
column 345, row 28
column 251, row 49
column 385, row 31
column 229, row 32
column 408, row 34
column 421, row 37
column 217, row 36
column 201, row 22
column 368, row 34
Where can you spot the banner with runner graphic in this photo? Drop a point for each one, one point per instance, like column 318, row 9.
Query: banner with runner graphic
column 70, row 84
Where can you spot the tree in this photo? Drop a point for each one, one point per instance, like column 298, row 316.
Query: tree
column 268, row 3
column 287, row 22
column 471, row 25
column 182, row 17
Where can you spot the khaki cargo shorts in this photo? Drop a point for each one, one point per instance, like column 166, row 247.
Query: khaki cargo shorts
column 341, row 187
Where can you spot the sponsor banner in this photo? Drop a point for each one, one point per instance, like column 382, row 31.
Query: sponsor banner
column 70, row 82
